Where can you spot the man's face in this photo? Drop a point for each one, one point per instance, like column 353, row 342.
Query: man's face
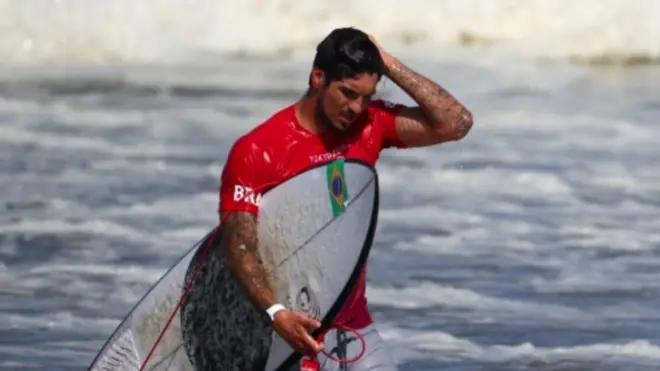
column 341, row 102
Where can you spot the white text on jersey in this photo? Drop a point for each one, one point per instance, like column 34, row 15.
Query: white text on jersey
column 328, row 156
column 246, row 194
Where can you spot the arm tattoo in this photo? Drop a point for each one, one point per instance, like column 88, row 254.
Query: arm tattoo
column 441, row 109
column 240, row 231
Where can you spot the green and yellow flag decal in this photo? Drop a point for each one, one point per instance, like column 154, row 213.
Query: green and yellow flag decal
column 337, row 188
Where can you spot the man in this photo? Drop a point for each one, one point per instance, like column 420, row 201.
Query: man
column 335, row 118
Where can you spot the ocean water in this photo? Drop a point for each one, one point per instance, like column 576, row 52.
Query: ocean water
column 533, row 244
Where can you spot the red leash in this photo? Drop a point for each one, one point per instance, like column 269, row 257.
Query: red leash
column 312, row 364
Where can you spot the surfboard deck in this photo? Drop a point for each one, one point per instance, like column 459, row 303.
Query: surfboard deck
column 315, row 231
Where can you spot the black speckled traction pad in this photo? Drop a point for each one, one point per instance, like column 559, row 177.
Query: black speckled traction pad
column 221, row 329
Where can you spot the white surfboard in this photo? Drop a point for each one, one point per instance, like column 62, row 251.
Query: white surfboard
column 315, row 231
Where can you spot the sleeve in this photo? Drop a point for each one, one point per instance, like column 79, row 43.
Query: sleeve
column 240, row 183
column 384, row 117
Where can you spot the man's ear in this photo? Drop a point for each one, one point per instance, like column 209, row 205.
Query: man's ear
column 317, row 78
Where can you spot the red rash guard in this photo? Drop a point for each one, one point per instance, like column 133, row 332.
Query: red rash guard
column 280, row 147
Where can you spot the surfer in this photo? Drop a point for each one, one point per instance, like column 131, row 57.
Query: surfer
column 335, row 118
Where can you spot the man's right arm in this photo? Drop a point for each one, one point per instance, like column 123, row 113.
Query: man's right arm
column 240, row 232
column 244, row 262
column 239, row 204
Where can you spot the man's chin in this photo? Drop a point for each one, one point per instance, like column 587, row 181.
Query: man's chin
column 342, row 126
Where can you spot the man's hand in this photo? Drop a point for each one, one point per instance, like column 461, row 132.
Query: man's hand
column 387, row 57
column 294, row 328
column 438, row 117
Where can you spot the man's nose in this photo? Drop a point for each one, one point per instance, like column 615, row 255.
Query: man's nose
column 356, row 106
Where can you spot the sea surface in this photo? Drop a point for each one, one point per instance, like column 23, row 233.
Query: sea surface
column 532, row 244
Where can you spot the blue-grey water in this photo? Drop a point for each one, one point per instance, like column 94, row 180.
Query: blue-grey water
column 533, row 244
column 530, row 245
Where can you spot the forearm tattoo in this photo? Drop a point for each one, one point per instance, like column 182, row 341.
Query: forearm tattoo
column 437, row 104
column 240, row 230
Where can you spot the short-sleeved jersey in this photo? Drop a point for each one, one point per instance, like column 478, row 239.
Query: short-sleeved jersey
column 280, row 147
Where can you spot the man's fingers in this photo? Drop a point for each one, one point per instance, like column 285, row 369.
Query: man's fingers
column 311, row 343
column 309, row 323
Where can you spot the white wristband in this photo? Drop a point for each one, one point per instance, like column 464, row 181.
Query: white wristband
column 274, row 309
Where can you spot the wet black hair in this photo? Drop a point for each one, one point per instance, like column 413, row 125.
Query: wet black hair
column 345, row 53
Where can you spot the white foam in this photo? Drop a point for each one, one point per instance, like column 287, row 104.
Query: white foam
column 59, row 321
column 124, row 273
column 182, row 207
column 98, row 227
column 458, row 181
column 427, row 294
column 445, row 346
column 607, row 278
column 124, row 31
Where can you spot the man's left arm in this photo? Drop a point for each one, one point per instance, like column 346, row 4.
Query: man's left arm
column 438, row 118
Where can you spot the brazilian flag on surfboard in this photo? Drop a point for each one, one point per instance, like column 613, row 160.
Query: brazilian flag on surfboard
column 337, row 189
